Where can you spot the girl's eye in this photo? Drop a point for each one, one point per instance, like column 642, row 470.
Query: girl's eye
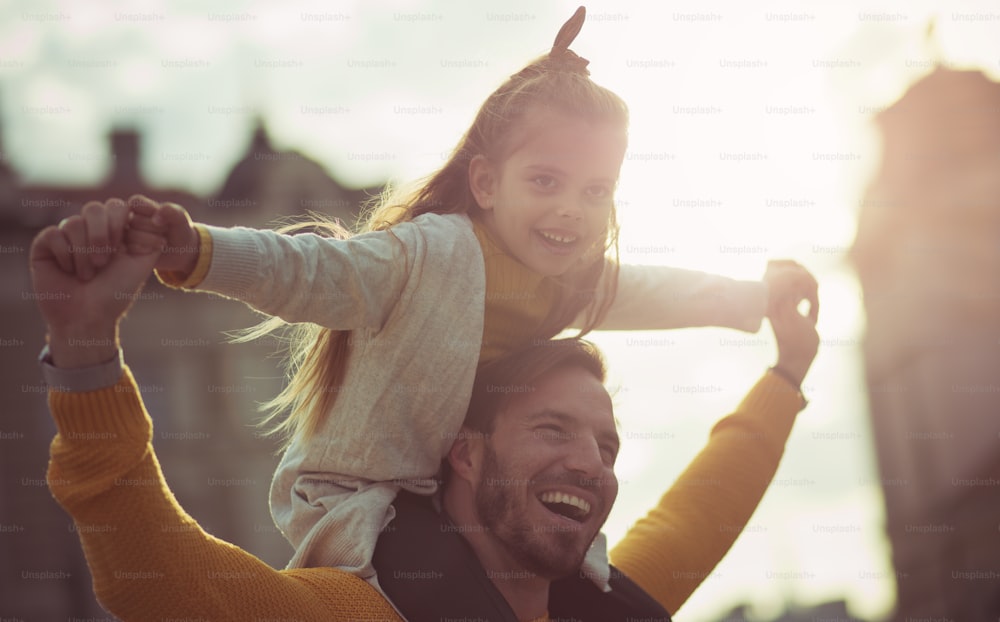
column 546, row 182
column 599, row 192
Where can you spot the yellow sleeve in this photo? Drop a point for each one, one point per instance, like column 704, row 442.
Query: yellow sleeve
column 149, row 559
column 672, row 549
column 186, row 281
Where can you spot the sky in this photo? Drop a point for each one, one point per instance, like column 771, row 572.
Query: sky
column 751, row 139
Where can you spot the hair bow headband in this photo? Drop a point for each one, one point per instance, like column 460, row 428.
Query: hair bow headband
column 560, row 54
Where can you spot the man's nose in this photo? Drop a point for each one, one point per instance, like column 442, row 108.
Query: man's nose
column 584, row 457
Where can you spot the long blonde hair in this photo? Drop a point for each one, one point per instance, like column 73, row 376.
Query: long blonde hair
column 317, row 356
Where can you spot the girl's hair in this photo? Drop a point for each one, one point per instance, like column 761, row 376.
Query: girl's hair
column 558, row 82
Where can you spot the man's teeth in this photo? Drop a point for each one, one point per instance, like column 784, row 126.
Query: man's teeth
column 567, row 499
column 558, row 238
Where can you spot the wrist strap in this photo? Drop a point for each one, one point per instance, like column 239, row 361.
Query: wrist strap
column 790, row 380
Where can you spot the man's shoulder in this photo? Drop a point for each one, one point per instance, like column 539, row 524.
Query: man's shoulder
column 343, row 592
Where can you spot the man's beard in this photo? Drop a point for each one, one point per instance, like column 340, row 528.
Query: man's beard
column 544, row 551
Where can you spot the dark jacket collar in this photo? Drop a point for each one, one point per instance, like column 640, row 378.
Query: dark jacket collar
column 430, row 572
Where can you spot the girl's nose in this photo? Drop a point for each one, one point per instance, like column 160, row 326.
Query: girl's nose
column 570, row 209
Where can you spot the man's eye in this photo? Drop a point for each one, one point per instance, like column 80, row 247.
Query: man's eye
column 549, row 431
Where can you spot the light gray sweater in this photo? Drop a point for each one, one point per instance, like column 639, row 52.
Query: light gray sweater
column 414, row 301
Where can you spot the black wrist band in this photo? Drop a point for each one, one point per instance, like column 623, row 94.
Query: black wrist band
column 790, row 380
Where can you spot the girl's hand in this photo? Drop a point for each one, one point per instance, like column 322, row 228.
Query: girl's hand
column 789, row 284
column 171, row 223
column 85, row 278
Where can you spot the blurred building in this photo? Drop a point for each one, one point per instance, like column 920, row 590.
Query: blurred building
column 928, row 256
column 286, row 183
column 201, row 391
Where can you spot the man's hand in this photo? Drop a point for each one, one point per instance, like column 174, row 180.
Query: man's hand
column 787, row 279
column 170, row 222
column 85, row 280
column 790, row 284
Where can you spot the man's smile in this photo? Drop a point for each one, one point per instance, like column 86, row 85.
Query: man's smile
column 566, row 505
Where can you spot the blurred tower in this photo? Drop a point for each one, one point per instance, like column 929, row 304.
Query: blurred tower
column 268, row 183
column 928, row 256
column 8, row 182
column 125, row 172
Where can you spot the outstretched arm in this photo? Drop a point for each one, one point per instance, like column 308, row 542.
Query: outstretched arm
column 664, row 297
column 674, row 548
column 149, row 559
column 341, row 284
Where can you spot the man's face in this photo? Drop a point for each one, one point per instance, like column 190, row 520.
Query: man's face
column 547, row 481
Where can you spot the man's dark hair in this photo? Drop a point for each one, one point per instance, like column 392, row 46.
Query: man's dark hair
column 517, row 373
column 498, row 381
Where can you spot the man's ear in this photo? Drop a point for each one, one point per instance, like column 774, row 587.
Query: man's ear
column 483, row 181
column 465, row 455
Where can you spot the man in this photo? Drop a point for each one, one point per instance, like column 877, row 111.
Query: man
column 531, row 476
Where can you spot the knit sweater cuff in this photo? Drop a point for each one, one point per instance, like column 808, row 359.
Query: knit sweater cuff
column 775, row 398
column 236, row 265
column 106, row 414
column 180, row 280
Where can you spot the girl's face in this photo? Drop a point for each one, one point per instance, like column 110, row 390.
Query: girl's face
column 549, row 202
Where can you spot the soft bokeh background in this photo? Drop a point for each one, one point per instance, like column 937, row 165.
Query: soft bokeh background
column 751, row 139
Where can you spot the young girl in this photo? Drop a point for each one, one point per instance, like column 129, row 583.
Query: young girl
column 507, row 244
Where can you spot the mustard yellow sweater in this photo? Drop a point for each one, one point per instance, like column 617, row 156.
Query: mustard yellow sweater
column 151, row 561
